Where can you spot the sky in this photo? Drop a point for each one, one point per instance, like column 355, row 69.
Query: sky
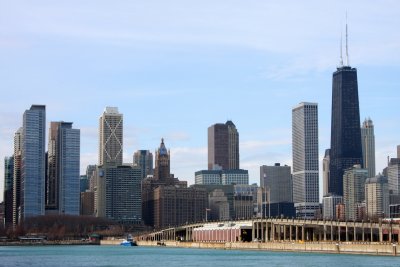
column 174, row 68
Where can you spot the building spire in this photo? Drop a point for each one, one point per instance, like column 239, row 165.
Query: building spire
column 347, row 46
column 341, row 49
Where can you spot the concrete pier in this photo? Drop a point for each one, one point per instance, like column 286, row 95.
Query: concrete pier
column 285, row 234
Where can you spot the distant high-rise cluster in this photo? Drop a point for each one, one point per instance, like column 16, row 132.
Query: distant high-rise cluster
column 168, row 201
column 39, row 182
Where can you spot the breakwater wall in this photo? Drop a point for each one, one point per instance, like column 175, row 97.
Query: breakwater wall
column 384, row 249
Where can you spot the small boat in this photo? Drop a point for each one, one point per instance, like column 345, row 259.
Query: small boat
column 128, row 243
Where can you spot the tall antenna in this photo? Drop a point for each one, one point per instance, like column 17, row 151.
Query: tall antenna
column 347, row 47
column 341, row 48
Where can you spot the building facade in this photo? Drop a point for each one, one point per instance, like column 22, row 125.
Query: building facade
column 223, row 146
column 144, row 160
column 224, row 177
column 8, row 190
column 87, row 203
column 213, row 190
column 175, row 205
column 368, row 146
column 393, row 174
column 218, row 205
column 111, row 137
column 245, row 201
column 377, row 197
column 33, row 169
column 235, row 176
column 83, row 183
column 277, row 181
column 305, row 159
column 17, row 176
column 118, row 194
column 329, row 203
column 325, row 172
column 63, row 179
column 354, row 190
column 208, row 177
column 346, row 148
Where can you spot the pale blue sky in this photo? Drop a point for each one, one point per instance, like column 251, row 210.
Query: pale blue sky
column 173, row 68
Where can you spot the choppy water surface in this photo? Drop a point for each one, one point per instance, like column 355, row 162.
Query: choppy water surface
column 176, row 257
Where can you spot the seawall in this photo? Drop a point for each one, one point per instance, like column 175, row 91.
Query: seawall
column 384, row 249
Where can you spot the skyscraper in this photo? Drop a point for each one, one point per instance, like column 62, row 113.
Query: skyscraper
column 346, row 149
column 32, row 202
column 119, row 194
column 377, row 197
column 144, row 160
column 353, row 190
column 17, row 175
column 276, row 193
column 117, row 187
column 162, row 170
column 368, row 146
column 277, row 181
column 63, row 189
column 325, row 172
column 223, row 146
column 305, row 159
column 111, row 137
column 8, row 190
column 393, row 175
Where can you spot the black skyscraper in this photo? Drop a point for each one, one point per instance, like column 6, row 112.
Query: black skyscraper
column 346, row 147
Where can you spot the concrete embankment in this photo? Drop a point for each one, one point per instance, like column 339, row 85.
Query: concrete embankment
column 112, row 242
column 385, row 249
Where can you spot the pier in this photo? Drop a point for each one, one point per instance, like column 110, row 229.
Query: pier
column 282, row 234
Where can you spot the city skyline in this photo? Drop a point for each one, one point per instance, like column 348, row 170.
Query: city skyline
column 177, row 55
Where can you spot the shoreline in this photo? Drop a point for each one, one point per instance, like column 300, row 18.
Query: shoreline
column 376, row 249
column 48, row 243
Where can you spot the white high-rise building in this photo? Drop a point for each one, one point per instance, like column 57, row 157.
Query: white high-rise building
column 368, row 146
column 329, row 203
column 353, row 190
column 305, row 159
column 377, row 197
column 111, row 137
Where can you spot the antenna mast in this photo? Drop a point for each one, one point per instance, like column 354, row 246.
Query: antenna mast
column 347, row 47
column 341, row 48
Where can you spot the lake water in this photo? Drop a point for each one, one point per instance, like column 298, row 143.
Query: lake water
column 176, row 257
